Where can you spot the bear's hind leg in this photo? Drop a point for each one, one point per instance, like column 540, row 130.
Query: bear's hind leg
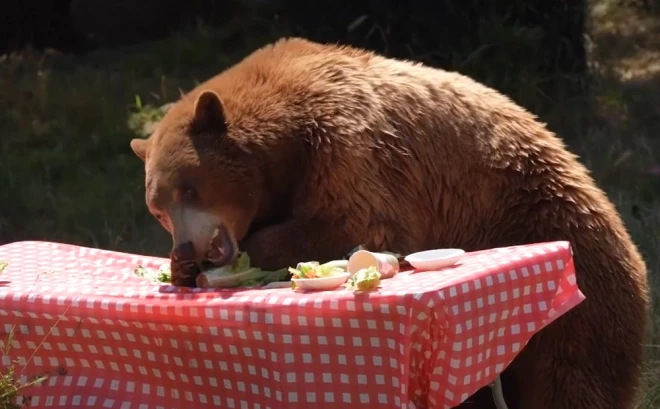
column 580, row 366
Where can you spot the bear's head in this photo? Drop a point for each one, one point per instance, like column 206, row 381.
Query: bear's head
column 202, row 181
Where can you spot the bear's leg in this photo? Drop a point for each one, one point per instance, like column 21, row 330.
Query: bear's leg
column 482, row 399
column 296, row 240
column 591, row 357
column 581, row 362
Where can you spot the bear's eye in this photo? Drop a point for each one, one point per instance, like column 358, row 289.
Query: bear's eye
column 188, row 193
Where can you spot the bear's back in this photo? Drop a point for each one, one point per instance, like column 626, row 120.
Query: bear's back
column 361, row 101
column 383, row 131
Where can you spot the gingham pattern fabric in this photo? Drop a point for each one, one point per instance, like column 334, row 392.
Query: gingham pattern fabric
column 423, row 340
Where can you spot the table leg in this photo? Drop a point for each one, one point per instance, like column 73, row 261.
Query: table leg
column 498, row 395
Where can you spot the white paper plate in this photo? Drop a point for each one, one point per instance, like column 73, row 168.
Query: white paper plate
column 326, row 283
column 434, row 259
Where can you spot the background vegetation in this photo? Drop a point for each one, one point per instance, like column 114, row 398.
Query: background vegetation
column 68, row 173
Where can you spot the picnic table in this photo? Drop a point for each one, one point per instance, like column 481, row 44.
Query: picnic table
column 422, row 340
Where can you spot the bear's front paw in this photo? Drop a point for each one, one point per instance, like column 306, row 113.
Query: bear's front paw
column 287, row 244
column 266, row 254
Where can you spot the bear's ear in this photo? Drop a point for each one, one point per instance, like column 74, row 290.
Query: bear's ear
column 209, row 112
column 140, row 147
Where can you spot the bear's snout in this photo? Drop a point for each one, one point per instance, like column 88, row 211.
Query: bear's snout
column 184, row 251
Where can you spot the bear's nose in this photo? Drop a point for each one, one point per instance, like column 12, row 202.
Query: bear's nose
column 184, row 251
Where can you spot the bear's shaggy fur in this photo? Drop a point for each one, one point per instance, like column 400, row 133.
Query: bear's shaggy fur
column 305, row 151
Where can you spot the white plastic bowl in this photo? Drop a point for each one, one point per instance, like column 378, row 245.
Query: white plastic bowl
column 318, row 284
column 434, row 259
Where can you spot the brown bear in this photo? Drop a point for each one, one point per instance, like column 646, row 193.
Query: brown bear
column 303, row 151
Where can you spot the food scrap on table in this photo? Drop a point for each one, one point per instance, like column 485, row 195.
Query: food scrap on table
column 312, row 269
column 240, row 273
column 237, row 274
column 365, row 279
column 3, row 265
column 162, row 274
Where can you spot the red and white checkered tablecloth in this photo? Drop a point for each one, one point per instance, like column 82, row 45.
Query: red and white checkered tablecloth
column 426, row 340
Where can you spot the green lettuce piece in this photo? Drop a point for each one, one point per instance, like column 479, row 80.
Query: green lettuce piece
column 251, row 283
column 240, row 274
column 303, row 270
column 365, row 279
column 225, row 279
column 163, row 274
column 274, row 276
column 312, row 269
column 240, row 263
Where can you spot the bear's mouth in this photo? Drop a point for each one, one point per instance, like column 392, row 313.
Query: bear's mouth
column 221, row 249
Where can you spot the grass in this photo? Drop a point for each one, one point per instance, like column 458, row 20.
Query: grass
column 69, row 175
column 11, row 386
